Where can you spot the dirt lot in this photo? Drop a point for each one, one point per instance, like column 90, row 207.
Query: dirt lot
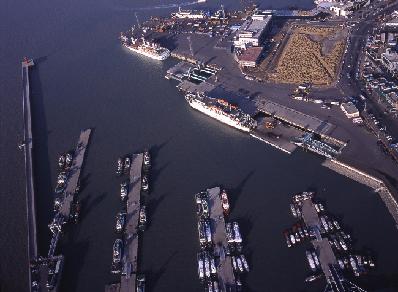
column 309, row 53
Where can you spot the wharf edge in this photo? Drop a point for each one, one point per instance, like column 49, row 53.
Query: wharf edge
column 28, row 147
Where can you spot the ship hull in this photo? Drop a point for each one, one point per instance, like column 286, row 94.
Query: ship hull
column 161, row 57
column 221, row 118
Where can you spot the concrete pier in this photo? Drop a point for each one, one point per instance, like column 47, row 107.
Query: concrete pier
column 28, row 146
column 321, row 245
column 128, row 281
column 225, row 273
column 74, row 173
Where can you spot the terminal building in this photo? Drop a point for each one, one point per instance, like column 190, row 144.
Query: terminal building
column 252, row 31
column 350, row 110
column 249, row 57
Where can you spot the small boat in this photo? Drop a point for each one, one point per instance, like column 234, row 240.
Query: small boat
column 61, row 161
column 124, row 189
column 142, row 219
column 313, row 278
column 147, row 159
column 68, row 159
column 289, row 244
column 61, row 183
column 140, row 283
column 200, row 267
column 244, row 262
column 119, row 166
column 145, row 184
column 127, row 164
column 117, row 250
column 237, row 236
column 75, row 212
column 225, row 202
column 120, row 222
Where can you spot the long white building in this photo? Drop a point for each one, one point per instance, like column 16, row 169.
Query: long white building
column 252, row 31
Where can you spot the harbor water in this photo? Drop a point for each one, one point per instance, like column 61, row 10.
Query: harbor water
column 84, row 78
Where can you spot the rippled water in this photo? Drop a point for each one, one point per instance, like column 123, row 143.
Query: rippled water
column 84, row 78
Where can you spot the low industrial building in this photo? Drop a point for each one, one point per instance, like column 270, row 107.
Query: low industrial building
column 342, row 9
column 350, row 110
column 252, row 31
column 249, row 57
column 390, row 60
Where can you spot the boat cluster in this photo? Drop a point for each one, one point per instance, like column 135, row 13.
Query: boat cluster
column 328, row 228
column 54, row 266
column 210, row 255
column 65, row 161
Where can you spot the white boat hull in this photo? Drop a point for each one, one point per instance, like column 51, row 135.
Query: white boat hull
column 161, row 57
column 222, row 118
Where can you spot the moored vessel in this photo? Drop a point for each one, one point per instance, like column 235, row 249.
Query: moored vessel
column 222, row 111
column 146, row 48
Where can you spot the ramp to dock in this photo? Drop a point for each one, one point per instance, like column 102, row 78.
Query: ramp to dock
column 226, row 277
column 128, row 281
column 74, row 173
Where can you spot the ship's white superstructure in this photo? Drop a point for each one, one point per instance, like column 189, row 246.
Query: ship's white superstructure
column 190, row 14
column 221, row 111
column 146, row 48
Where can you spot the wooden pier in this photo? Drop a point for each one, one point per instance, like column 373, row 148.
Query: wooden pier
column 74, row 173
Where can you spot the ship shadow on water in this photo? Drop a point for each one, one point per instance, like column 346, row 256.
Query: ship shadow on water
column 41, row 160
column 84, row 182
column 152, row 276
column 234, row 193
column 152, row 205
column 89, row 202
column 75, row 254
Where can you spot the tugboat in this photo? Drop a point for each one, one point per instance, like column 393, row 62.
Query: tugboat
column 145, row 184
column 147, row 159
column 127, row 164
column 61, row 161
column 142, row 219
column 68, row 159
column 117, row 250
column 124, row 190
column 61, row 183
column 120, row 222
column 119, row 166
column 141, row 283
column 225, row 202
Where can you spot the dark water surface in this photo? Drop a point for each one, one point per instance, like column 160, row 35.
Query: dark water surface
column 84, row 78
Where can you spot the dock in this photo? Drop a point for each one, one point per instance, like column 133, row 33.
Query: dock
column 329, row 265
column 74, row 173
column 225, row 273
column 128, row 281
column 48, row 270
column 29, row 174
column 321, row 245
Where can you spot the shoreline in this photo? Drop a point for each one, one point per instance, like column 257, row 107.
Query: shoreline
column 378, row 185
